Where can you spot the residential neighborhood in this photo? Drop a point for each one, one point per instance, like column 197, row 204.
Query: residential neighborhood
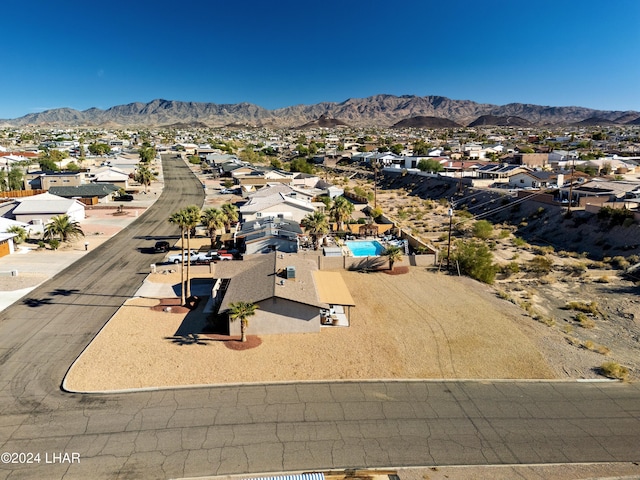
column 287, row 214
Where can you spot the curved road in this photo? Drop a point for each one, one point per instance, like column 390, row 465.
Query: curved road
column 264, row 428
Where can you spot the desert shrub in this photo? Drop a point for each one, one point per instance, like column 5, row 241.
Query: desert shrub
column 584, row 321
column 510, row 268
column 539, row 317
column 577, row 269
column 614, row 370
column 54, row 243
column 504, row 234
column 540, row 264
column 519, row 242
column 591, row 307
column 482, row 229
column 41, row 244
column 542, row 250
column 603, row 279
column 633, row 259
column 619, row 262
column 615, row 216
column 464, row 214
column 503, row 295
column 475, row 260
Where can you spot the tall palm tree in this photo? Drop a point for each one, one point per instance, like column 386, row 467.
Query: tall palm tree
column 393, row 254
column 144, row 176
column 180, row 219
column 316, row 225
column 231, row 213
column 192, row 214
column 63, row 227
column 341, row 211
column 213, row 219
column 242, row 311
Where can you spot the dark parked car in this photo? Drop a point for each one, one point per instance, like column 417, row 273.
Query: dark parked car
column 162, row 246
column 124, row 198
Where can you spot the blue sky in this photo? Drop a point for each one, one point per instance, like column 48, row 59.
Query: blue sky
column 82, row 54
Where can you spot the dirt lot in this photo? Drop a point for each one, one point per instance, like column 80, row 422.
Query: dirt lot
column 438, row 326
column 587, row 260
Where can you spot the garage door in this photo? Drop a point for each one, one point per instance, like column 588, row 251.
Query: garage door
column 4, row 248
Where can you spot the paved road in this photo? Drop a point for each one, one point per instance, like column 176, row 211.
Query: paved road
column 265, row 428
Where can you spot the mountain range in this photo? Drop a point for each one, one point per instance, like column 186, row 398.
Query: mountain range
column 377, row 110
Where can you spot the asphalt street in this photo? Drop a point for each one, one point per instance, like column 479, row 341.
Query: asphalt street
column 244, row 429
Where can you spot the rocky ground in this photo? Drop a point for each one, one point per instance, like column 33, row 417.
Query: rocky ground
column 587, row 257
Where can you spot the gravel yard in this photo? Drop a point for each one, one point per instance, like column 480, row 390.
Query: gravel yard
column 418, row 325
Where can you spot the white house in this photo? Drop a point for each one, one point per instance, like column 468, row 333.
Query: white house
column 112, row 175
column 39, row 209
column 277, row 205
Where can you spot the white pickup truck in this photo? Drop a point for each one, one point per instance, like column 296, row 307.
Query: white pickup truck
column 197, row 257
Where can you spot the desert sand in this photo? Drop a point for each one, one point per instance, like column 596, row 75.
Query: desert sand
column 419, row 325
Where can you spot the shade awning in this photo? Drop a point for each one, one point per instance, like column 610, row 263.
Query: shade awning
column 332, row 289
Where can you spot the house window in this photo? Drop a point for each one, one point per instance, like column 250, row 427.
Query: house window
column 522, row 180
column 258, row 215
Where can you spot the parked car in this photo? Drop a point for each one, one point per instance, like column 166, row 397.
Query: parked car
column 123, row 198
column 162, row 246
column 177, row 257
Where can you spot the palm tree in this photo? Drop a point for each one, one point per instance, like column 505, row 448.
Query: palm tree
column 180, row 219
column 316, row 225
column 144, row 176
column 192, row 213
column 21, row 233
column 214, row 220
column 63, row 227
column 231, row 213
column 341, row 211
column 242, row 311
column 393, row 254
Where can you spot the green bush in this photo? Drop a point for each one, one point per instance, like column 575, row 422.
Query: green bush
column 510, row 268
column 541, row 264
column 616, row 216
column 482, row 229
column 475, row 260
column 519, row 242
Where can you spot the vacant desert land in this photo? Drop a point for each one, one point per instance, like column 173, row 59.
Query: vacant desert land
column 419, row 325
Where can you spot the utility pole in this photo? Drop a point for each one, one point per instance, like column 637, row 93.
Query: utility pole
column 450, row 213
column 573, row 164
column 375, row 184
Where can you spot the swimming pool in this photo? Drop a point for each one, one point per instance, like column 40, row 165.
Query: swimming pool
column 365, row 248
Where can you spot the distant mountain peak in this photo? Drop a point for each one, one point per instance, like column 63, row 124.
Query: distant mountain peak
column 382, row 110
